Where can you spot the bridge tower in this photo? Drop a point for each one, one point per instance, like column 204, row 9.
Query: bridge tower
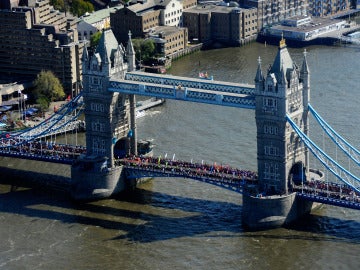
column 108, row 120
column 282, row 157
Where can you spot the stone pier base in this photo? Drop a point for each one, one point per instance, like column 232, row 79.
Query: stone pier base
column 272, row 211
column 90, row 185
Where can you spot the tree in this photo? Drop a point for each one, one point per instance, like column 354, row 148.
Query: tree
column 144, row 49
column 80, row 7
column 94, row 39
column 43, row 103
column 58, row 4
column 47, row 88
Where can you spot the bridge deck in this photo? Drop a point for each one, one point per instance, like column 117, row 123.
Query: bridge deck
column 214, row 97
column 329, row 193
column 165, row 79
column 223, row 176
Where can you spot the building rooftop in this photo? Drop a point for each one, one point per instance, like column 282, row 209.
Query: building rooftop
column 209, row 8
column 166, row 30
column 99, row 15
column 315, row 23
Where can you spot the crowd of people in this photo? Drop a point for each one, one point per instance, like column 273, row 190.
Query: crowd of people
column 43, row 148
column 328, row 189
column 189, row 169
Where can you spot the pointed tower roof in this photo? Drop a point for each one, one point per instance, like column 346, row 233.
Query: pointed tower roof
column 85, row 55
column 282, row 61
column 305, row 67
column 107, row 46
column 130, row 48
column 259, row 75
column 282, row 76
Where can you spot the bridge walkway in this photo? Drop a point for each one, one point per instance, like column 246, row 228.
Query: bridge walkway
column 223, row 176
column 328, row 193
column 42, row 151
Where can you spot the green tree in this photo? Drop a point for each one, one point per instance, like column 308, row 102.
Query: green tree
column 58, row 4
column 47, row 88
column 94, row 39
column 80, row 7
column 144, row 49
column 43, row 103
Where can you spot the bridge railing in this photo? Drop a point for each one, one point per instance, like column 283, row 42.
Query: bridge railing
column 196, row 83
column 223, row 176
column 44, row 151
column 183, row 93
column 328, row 193
column 329, row 163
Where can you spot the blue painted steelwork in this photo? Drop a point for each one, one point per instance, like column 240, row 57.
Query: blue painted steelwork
column 229, row 184
column 37, row 157
column 183, row 93
column 330, row 201
column 337, row 170
column 346, row 147
column 197, row 83
column 65, row 116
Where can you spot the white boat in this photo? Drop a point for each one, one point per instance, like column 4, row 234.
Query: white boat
column 139, row 113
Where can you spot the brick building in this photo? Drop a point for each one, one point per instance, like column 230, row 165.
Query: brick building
column 34, row 37
column 169, row 40
column 142, row 18
column 225, row 24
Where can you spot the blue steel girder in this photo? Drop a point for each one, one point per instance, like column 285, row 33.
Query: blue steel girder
column 45, row 158
column 335, row 168
column 197, row 83
column 214, row 97
column 329, row 201
column 136, row 173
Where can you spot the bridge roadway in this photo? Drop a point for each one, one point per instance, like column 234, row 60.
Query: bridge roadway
column 328, row 193
column 42, row 151
column 218, row 175
column 186, row 89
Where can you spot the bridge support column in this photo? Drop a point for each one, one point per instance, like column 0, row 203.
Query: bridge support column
column 133, row 138
column 273, row 211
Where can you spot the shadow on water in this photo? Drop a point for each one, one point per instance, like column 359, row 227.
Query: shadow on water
column 165, row 216
column 197, row 216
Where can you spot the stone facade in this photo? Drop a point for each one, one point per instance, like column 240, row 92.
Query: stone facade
column 169, row 40
column 142, row 18
column 40, row 38
column 107, row 114
column 228, row 25
column 321, row 8
column 272, row 12
column 109, row 118
column 281, row 155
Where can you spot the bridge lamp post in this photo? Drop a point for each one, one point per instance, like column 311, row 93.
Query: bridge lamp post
column 19, row 104
column 24, row 98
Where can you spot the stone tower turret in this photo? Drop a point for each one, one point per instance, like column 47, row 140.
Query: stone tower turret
column 106, row 113
column 284, row 90
column 107, row 118
column 130, row 54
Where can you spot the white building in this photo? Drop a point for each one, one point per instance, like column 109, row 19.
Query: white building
column 303, row 28
column 171, row 15
column 90, row 23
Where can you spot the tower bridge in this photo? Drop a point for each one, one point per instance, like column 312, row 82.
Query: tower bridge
column 284, row 187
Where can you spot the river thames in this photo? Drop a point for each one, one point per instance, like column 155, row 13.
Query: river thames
column 172, row 223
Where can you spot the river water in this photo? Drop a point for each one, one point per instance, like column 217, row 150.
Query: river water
column 181, row 224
